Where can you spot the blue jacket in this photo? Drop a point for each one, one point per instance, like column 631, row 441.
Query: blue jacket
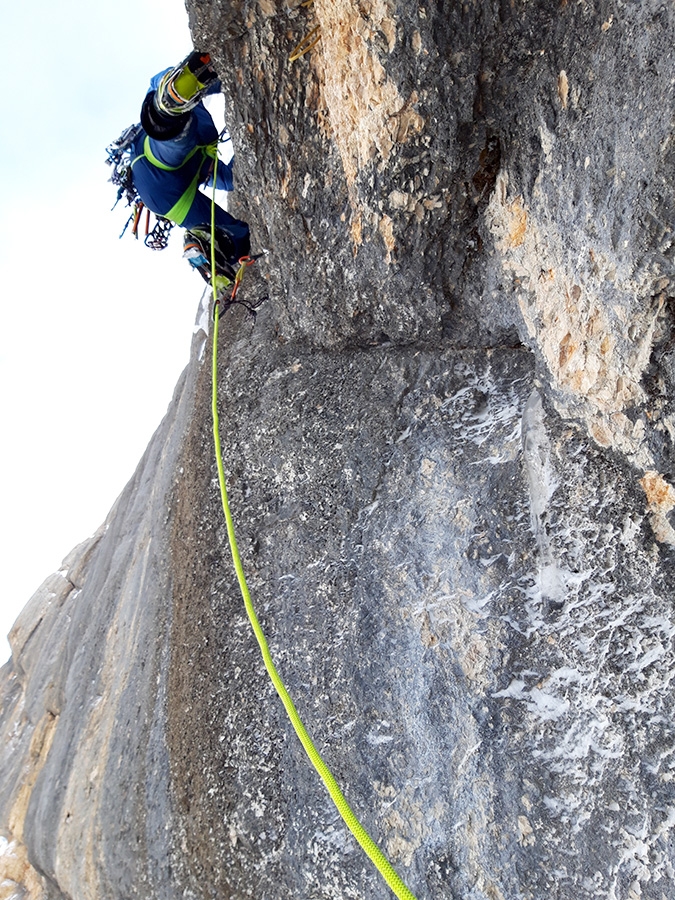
column 187, row 166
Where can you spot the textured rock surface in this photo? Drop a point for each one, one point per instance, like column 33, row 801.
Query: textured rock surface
column 449, row 444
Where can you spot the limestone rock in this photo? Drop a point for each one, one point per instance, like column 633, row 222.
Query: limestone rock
column 449, row 447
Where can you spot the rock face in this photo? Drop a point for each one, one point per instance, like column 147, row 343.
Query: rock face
column 449, row 446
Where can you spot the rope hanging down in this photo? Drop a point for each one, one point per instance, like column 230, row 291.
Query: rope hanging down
column 367, row 843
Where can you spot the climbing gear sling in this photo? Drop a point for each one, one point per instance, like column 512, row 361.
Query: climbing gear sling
column 119, row 158
column 367, row 843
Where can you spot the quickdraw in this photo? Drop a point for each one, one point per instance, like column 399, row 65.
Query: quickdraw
column 119, row 157
column 222, row 303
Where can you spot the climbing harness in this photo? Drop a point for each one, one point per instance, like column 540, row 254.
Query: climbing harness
column 180, row 209
column 367, row 843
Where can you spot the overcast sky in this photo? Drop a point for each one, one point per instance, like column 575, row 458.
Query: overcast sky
column 95, row 330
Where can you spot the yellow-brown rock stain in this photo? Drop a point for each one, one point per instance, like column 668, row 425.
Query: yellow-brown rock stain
column 660, row 494
column 660, row 500
column 366, row 115
column 17, row 876
column 596, row 371
column 517, row 222
column 563, row 89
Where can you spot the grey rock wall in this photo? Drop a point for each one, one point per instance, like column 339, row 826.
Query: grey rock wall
column 449, row 445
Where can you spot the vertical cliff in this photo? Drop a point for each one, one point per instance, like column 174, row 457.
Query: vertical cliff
column 449, row 444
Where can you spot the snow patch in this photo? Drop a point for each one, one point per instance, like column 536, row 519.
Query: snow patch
column 203, row 321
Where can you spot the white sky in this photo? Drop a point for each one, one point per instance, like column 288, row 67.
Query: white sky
column 95, row 330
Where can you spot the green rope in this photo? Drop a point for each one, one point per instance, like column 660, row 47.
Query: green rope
column 367, row 843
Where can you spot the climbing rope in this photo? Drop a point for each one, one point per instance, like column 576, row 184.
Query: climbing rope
column 367, row 843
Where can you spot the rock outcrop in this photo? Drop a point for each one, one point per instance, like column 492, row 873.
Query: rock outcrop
column 449, row 445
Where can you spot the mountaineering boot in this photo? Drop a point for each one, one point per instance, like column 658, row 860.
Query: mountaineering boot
column 197, row 251
column 181, row 89
column 164, row 111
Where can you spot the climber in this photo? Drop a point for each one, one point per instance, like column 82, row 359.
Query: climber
column 161, row 163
